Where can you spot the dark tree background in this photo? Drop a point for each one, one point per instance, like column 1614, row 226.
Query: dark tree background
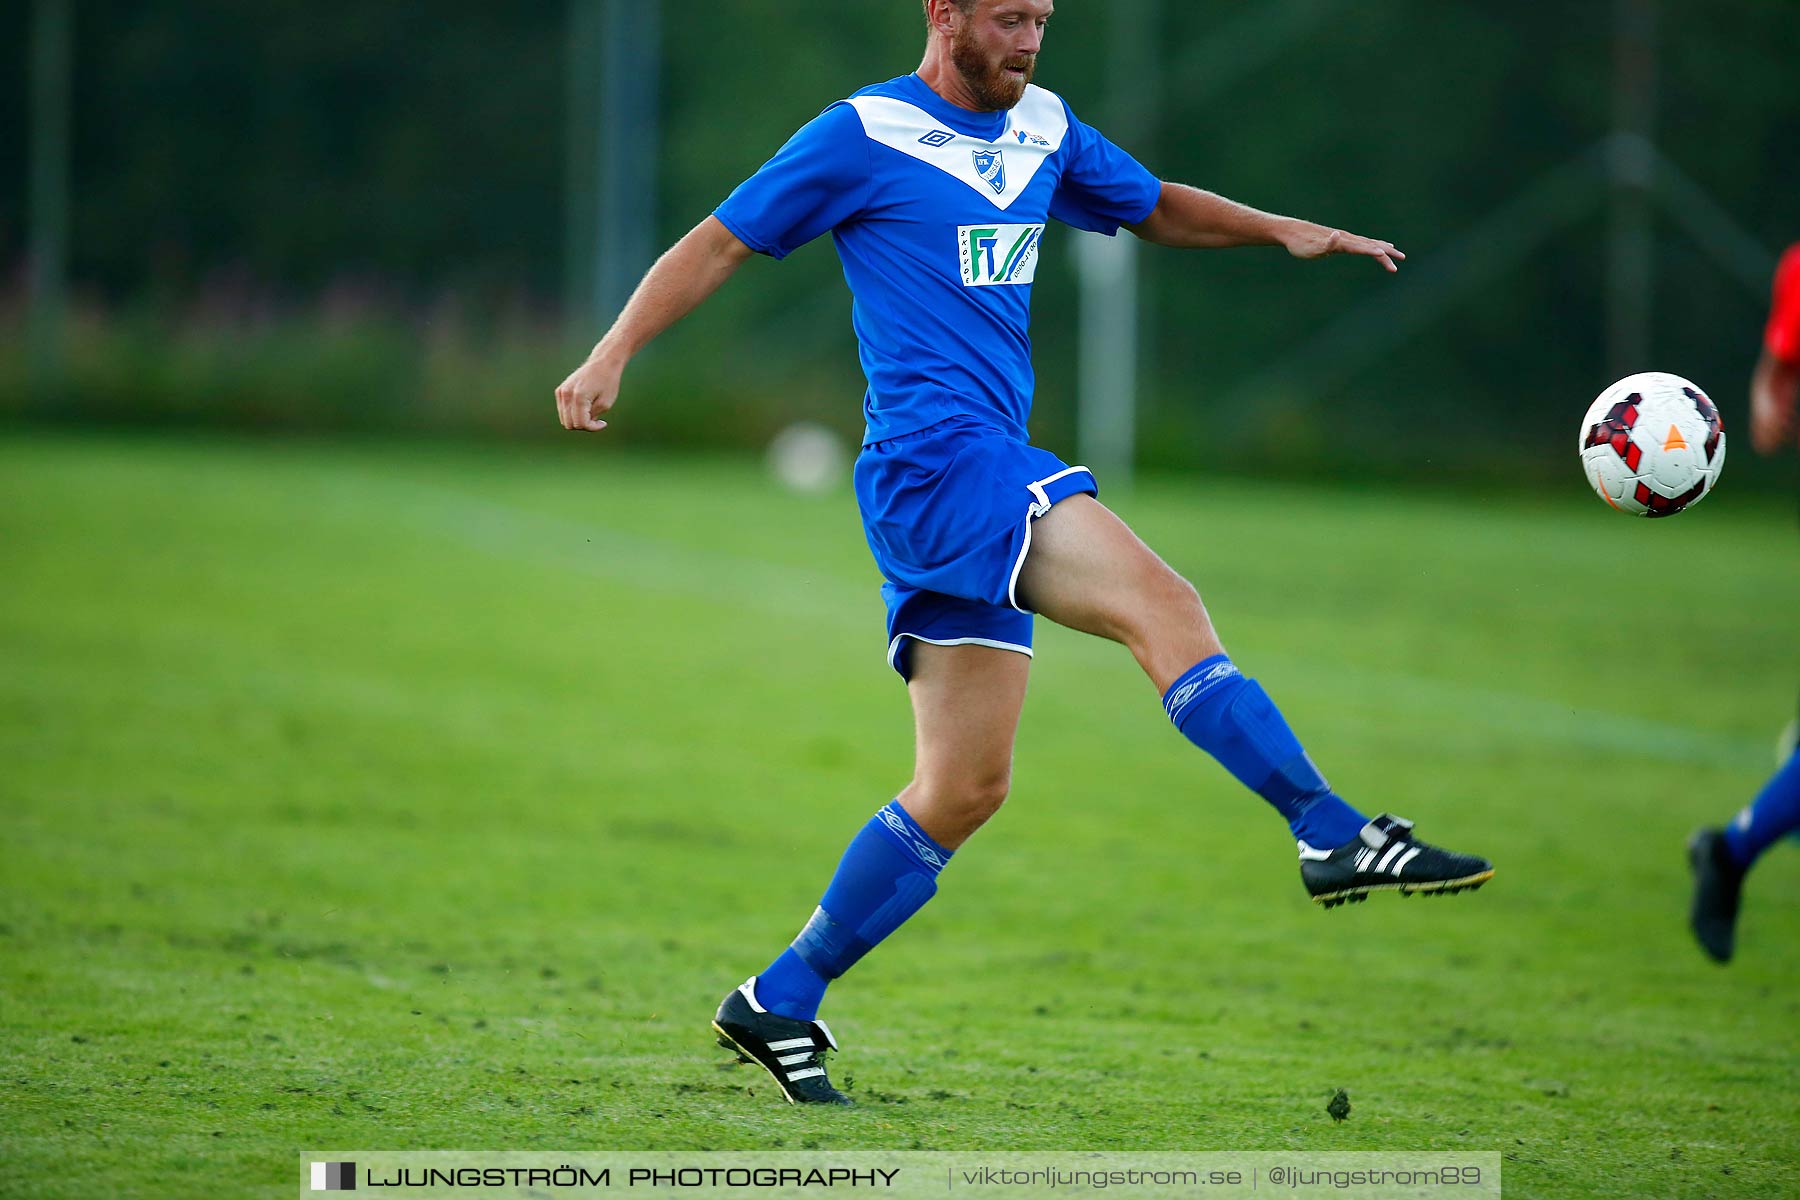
column 281, row 154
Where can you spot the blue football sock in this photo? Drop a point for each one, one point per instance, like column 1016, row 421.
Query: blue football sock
column 886, row 875
column 1233, row 719
column 1765, row 820
column 790, row 987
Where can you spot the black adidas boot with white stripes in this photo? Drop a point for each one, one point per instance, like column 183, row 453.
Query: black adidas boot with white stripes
column 1385, row 857
column 791, row 1051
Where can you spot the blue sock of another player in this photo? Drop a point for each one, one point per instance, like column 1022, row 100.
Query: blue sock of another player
column 1233, row 719
column 1766, row 819
column 886, row 875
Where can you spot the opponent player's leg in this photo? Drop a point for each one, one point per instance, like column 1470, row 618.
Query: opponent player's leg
column 966, row 702
column 1088, row 571
column 1720, row 858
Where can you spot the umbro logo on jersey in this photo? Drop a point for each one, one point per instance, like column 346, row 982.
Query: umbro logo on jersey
column 937, row 137
column 992, row 169
column 995, row 254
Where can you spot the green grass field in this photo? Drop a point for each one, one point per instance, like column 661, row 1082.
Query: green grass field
column 402, row 796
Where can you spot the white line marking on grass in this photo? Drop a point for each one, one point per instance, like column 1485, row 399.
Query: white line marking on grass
column 719, row 577
column 798, row 594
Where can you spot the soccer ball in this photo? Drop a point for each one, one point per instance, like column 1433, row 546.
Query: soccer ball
column 1652, row 444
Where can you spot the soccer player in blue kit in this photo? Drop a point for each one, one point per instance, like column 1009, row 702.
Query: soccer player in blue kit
column 936, row 188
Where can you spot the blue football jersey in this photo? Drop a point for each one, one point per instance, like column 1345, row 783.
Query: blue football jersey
column 938, row 214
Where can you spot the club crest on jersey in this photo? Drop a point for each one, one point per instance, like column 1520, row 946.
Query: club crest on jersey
column 992, row 169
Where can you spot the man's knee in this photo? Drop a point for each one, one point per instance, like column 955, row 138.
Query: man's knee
column 970, row 796
column 1178, row 594
column 1162, row 601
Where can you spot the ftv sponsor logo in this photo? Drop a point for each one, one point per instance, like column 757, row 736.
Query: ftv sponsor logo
column 998, row 254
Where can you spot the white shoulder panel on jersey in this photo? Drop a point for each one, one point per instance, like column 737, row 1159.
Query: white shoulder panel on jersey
column 1000, row 171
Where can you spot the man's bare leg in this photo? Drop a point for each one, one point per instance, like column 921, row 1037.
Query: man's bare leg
column 1088, row 571
column 966, row 703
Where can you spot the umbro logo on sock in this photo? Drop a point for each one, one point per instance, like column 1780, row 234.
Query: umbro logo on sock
column 1184, row 695
column 926, row 854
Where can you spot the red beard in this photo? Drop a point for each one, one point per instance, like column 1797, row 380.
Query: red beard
column 989, row 82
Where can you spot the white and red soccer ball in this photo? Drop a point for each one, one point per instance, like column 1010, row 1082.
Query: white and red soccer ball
column 1652, row 444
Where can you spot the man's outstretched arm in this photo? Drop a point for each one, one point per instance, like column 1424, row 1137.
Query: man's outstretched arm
column 688, row 273
column 1190, row 219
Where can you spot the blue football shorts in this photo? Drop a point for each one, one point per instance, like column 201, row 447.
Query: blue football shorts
column 947, row 511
